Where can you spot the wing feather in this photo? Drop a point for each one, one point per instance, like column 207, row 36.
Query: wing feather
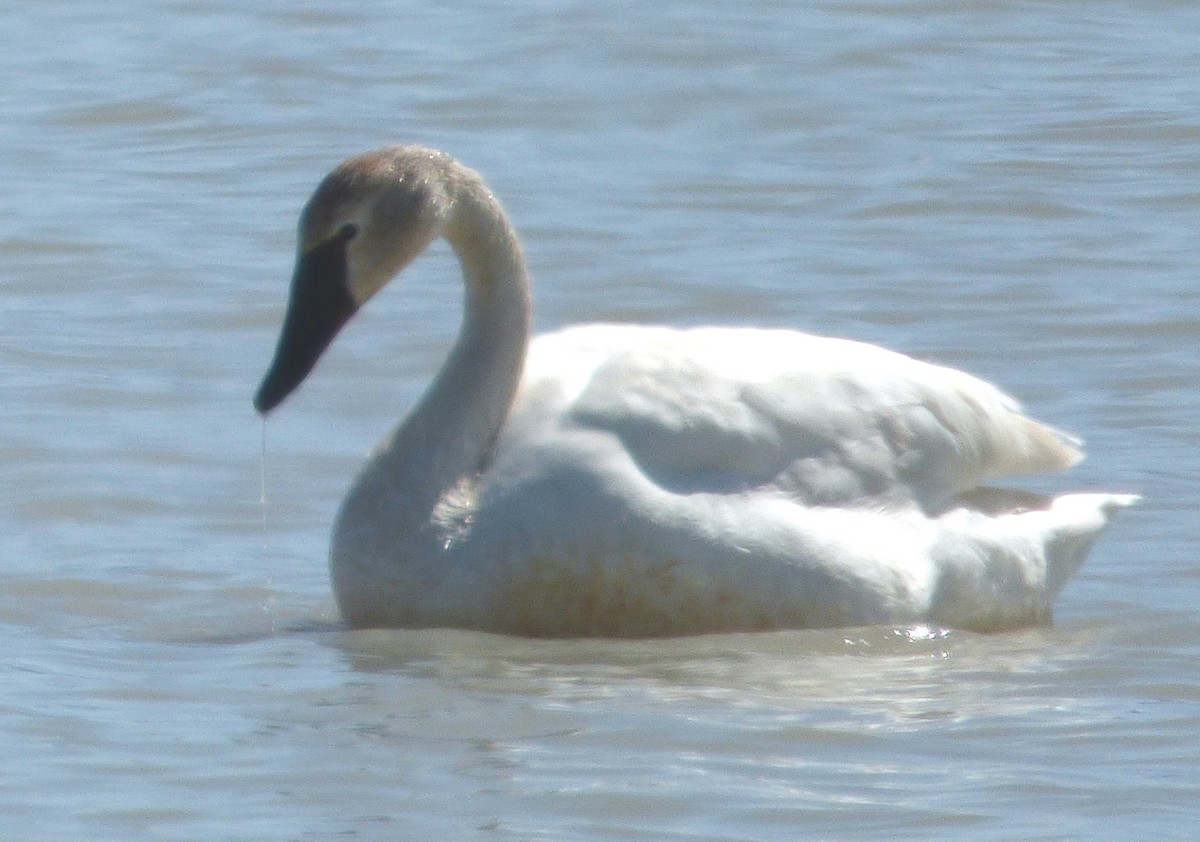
column 822, row 421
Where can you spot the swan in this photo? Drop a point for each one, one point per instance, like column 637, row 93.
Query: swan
column 622, row 480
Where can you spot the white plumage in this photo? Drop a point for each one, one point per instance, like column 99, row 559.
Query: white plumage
column 630, row 480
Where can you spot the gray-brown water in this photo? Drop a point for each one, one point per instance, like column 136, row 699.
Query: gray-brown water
column 1010, row 188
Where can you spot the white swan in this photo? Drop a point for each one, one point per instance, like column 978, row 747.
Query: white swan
column 628, row 481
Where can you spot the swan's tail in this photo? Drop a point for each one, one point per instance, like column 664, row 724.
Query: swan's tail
column 1080, row 518
column 1005, row 572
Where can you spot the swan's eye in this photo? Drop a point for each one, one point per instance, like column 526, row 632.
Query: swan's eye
column 347, row 232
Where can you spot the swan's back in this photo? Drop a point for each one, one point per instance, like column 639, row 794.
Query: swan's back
column 823, row 421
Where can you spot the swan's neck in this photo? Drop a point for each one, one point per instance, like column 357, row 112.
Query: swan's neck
column 448, row 437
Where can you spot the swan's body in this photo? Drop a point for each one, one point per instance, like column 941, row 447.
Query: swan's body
column 624, row 480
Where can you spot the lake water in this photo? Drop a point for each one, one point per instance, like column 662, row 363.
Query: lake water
column 1010, row 188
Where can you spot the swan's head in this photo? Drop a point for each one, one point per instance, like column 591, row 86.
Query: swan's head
column 368, row 218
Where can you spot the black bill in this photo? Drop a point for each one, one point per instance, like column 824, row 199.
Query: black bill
column 319, row 305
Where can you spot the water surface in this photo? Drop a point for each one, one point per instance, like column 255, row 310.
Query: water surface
column 1008, row 188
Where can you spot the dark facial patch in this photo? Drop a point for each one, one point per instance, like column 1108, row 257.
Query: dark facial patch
column 319, row 305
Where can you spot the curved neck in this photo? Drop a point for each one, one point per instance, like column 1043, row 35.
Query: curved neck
column 448, row 437
column 468, row 402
